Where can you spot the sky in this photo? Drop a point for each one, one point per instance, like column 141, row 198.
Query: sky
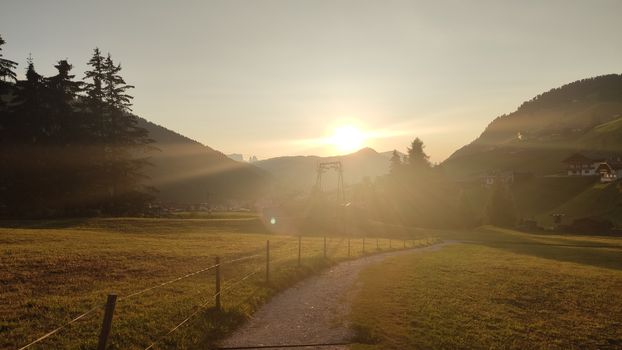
column 272, row 78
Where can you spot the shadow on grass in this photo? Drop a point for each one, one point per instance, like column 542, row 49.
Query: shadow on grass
column 610, row 258
column 43, row 224
column 217, row 324
column 142, row 225
column 581, row 251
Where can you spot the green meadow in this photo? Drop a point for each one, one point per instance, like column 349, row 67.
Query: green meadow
column 496, row 289
column 56, row 270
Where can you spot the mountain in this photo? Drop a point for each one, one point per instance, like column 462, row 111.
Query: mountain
column 186, row 171
column 300, row 172
column 583, row 116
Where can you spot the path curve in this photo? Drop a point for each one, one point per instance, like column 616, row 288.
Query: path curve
column 314, row 311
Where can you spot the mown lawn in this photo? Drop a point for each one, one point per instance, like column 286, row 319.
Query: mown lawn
column 53, row 271
column 504, row 289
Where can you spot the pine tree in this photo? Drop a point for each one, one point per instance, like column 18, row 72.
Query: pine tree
column 124, row 140
column 7, row 76
column 7, row 67
column 69, row 139
column 115, row 87
column 62, row 98
column 417, row 158
column 26, row 146
column 28, row 103
column 27, row 122
column 94, row 88
column 395, row 166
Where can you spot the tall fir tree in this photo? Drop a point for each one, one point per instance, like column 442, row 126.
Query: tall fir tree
column 27, row 144
column 127, row 144
column 94, row 88
column 395, row 163
column 62, row 99
column 417, row 158
column 28, row 106
column 69, row 133
column 115, row 87
column 7, row 76
column 7, row 67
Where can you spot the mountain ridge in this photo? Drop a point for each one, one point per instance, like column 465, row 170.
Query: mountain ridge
column 545, row 129
column 298, row 173
column 186, row 171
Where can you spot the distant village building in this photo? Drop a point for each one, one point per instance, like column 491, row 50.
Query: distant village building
column 607, row 170
column 506, row 177
column 580, row 165
column 493, row 177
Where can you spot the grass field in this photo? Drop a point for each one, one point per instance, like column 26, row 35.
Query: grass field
column 53, row 271
column 503, row 289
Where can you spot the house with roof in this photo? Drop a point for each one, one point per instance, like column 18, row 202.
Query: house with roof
column 580, row 165
column 609, row 171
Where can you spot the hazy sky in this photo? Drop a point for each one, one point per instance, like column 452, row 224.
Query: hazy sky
column 275, row 77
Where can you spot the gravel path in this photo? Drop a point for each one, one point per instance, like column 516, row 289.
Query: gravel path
column 314, row 311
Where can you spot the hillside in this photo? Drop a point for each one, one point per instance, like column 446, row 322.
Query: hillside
column 185, row 171
column 299, row 172
column 584, row 116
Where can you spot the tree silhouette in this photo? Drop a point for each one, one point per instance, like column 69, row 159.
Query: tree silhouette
column 395, row 166
column 417, row 158
column 73, row 147
column 7, row 74
column 123, row 139
column 7, row 67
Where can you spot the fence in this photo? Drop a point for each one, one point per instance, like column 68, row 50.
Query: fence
column 269, row 266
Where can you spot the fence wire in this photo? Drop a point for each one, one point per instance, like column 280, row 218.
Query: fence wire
column 330, row 251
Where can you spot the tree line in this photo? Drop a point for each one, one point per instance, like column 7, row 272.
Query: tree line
column 417, row 192
column 70, row 146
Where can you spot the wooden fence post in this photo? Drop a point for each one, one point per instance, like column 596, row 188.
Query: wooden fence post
column 299, row 248
column 324, row 247
column 390, row 247
column 107, row 322
column 268, row 261
column 363, row 245
column 218, row 305
column 377, row 245
column 404, row 244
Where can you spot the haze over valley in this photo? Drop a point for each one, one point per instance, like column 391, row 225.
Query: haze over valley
column 343, row 174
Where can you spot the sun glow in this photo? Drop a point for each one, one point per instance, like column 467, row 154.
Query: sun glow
column 347, row 138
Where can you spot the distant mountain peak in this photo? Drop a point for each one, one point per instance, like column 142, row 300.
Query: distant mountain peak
column 366, row 150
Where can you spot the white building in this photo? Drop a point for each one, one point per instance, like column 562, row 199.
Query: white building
column 580, row 165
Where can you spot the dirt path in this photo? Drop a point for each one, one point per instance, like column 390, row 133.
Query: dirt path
column 314, row 311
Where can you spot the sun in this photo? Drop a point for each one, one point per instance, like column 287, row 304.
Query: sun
column 347, row 138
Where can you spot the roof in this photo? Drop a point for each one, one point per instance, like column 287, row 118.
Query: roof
column 610, row 166
column 580, row 159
